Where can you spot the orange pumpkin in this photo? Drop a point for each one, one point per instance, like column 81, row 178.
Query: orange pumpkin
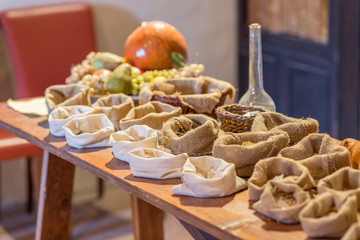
column 149, row 46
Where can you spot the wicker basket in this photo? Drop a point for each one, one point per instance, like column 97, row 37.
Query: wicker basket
column 232, row 119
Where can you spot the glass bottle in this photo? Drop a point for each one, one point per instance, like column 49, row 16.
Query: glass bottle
column 256, row 96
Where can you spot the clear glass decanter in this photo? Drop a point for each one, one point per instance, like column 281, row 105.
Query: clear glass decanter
column 256, row 96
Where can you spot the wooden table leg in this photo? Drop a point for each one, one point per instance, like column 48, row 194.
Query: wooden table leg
column 197, row 233
column 147, row 220
column 54, row 209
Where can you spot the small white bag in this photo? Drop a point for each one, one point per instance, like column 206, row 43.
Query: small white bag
column 154, row 163
column 89, row 131
column 135, row 136
column 63, row 114
column 207, row 176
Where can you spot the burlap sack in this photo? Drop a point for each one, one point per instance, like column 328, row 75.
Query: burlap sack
column 282, row 202
column 62, row 115
column 296, row 128
column 154, row 163
column 322, row 217
column 341, row 184
column 135, row 136
column 207, row 176
column 67, row 95
column 353, row 233
column 319, row 153
column 203, row 94
column 193, row 134
column 287, row 170
column 115, row 107
column 152, row 114
column 89, row 131
column 246, row 149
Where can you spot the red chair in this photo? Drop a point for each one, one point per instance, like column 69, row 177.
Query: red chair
column 44, row 42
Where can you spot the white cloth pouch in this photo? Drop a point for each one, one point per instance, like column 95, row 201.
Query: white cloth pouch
column 89, row 131
column 153, row 114
column 115, row 106
column 63, row 114
column 67, row 95
column 341, row 184
column 282, row 202
column 322, row 217
column 319, row 153
column 154, row 163
column 281, row 169
column 207, row 176
column 135, row 136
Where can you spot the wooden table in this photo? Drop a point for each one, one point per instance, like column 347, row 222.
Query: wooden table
column 223, row 218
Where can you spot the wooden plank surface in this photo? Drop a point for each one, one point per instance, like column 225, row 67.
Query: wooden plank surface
column 229, row 217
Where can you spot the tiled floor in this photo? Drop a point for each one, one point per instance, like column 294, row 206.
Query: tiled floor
column 106, row 218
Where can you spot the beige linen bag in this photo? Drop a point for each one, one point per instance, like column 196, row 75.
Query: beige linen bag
column 282, row 202
column 115, row 106
column 341, row 184
column 193, row 134
column 319, row 153
column 89, row 131
column 207, row 176
column 297, row 129
column 288, row 170
column 67, row 95
column 135, row 136
column 154, row 163
column 322, row 217
column 152, row 114
column 246, row 149
column 63, row 114
column 353, row 233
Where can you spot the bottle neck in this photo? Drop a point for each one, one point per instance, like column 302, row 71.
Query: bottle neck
column 255, row 58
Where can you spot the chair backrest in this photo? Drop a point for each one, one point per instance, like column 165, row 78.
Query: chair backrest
column 44, row 42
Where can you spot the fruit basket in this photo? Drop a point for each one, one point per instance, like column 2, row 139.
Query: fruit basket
column 236, row 118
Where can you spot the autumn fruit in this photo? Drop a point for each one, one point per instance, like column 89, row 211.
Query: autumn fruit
column 120, row 80
column 150, row 46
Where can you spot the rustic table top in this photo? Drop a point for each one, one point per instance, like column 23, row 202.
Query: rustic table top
column 225, row 218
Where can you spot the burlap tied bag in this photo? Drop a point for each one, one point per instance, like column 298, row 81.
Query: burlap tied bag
column 115, row 107
column 200, row 95
column 135, row 136
column 89, row 131
column 341, row 184
column 152, row 114
column 353, row 233
column 193, row 134
column 286, row 170
column 246, row 149
column 319, row 153
column 297, row 129
column 67, row 95
column 322, row 217
column 282, row 202
column 62, row 115
column 207, row 176
column 154, row 163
